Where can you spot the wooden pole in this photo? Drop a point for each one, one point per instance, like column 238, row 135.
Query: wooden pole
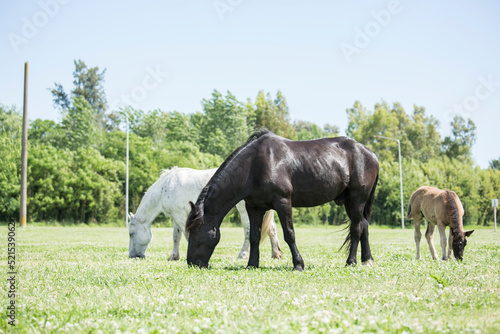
column 24, row 152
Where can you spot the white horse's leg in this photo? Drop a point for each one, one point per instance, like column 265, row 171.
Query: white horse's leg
column 273, row 237
column 429, row 235
column 177, row 240
column 450, row 244
column 245, row 222
column 442, row 236
column 417, row 235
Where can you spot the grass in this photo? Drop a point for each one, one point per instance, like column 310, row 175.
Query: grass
column 74, row 279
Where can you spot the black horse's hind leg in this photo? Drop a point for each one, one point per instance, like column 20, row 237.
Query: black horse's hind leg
column 355, row 231
column 256, row 215
column 355, row 235
column 366, row 255
column 284, row 209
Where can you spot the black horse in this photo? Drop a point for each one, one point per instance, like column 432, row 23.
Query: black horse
column 271, row 172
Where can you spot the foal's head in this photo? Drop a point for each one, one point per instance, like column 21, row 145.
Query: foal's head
column 203, row 237
column 459, row 243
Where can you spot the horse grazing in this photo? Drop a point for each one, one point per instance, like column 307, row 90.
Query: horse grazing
column 271, row 172
column 170, row 194
column 442, row 208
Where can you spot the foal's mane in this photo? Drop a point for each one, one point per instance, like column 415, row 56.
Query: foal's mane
column 452, row 209
column 196, row 220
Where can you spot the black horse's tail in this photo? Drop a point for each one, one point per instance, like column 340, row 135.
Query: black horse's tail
column 367, row 211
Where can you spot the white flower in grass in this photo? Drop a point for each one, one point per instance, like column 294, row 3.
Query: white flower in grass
column 142, row 331
column 372, row 320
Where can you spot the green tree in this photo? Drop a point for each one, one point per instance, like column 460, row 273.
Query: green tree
column 309, row 130
column 88, row 84
column 11, row 122
column 495, row 164
column 224, row 126
column 273, row 114
column 46, row 131
column 417, row 133
column 463, row 137
column 79, row 125
column 10, row 166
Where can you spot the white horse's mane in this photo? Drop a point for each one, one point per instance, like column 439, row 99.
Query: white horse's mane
column 165, row 172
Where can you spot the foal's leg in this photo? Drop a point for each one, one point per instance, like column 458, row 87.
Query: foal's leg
column 417, row 220
column 245, row 222
column 450, row 244
column 255, row 215
column 177, row 240
column 284, row 209
column 429, row 235
column 442, row 236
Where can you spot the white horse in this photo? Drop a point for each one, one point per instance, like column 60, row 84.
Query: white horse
column 171, row 194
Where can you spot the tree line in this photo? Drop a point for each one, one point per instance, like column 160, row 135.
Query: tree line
column 76, row 167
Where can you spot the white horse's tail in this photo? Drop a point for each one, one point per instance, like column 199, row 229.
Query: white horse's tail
column 266, row 224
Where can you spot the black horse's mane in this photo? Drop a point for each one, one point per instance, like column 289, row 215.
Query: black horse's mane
column 451, row 207
column 196, row 220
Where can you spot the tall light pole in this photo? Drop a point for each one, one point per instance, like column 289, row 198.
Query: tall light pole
column 126, row 183
column 400, row 179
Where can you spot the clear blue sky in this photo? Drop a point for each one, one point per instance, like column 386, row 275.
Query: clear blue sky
column 323, row 55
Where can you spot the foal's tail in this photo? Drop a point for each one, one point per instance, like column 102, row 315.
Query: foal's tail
column 367, row 211
column 408, row 214
column 266, row 224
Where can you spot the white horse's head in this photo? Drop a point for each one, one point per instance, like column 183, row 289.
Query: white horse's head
column 140, row 237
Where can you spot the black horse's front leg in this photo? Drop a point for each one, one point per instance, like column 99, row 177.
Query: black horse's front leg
column 284, row 209
column 255, row 215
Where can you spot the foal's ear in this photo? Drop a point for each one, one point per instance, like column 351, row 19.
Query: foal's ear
column 468, row 233
column 193, row 207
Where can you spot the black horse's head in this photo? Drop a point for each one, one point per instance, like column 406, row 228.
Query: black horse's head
column 459, row 243
column 204, row 235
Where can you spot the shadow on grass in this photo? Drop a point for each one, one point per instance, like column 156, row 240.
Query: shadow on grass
column 266, row 268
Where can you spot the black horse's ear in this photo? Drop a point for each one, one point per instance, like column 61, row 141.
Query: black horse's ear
column 468, row 233
column 193, row 207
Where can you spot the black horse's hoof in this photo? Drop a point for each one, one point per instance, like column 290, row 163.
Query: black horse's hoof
column 369, row 263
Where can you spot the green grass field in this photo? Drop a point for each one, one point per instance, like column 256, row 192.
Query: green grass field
column 75, row 279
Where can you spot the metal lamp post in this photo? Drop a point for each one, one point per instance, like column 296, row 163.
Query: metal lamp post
column 126, row 183
column 400, row 178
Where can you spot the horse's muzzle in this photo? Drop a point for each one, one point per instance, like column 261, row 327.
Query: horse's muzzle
column 198, row 264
